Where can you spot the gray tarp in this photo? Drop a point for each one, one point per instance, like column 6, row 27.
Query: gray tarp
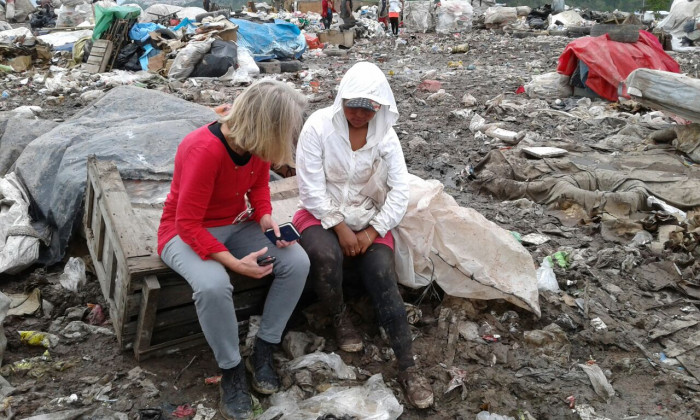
column 137, row 128
column 18, row 133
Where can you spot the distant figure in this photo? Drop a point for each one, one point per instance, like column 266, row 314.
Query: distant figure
column 327, row 13
column 206, row 5
column 383, row 14
column 395, row 7
column 346, row 15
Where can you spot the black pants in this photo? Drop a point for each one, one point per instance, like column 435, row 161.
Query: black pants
column 378, row 275
column 327, row 20
column 394, row 25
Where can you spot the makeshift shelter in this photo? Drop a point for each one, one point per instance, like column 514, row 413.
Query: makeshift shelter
column 608, row 63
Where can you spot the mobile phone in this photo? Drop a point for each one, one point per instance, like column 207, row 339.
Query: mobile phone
column 264, row 260
column 287, row 233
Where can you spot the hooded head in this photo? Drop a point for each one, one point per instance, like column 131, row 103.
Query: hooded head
column 365, row 80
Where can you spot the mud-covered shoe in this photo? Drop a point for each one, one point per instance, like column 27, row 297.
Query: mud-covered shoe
column 235, row 403
column 265, row 379
column 348, row 338
column 417, row 388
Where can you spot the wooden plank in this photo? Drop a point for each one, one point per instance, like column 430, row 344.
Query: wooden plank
column 117, row 213
column 690, row 343
column 147, row 315
column 284, row 188
column 178, row 295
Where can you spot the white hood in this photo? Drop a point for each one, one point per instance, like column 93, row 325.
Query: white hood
column 361, row 187
column 366, row 80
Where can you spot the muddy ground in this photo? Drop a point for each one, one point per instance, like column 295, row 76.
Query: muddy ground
column 514, row 375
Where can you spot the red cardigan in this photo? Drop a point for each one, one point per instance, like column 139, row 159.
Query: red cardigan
column 208, row 190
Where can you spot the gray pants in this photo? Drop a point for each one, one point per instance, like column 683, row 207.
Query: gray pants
column 213, row 292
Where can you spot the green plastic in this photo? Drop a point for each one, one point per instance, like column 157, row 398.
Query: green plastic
column 517, row 236
column 105, row 16
column 561, row 258
column 6, row 69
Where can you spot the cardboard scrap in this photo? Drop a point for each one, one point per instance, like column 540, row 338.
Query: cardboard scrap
column 24, row 304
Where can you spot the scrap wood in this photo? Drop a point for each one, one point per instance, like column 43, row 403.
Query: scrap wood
column 671, row 328
column 674, row 349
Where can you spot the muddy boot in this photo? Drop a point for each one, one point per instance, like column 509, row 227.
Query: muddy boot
column 235, row 403
column 265, row 380
column 348, row 338
column 417, row 388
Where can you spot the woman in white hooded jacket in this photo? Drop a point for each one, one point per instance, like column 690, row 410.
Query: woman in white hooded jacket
column 353, row 190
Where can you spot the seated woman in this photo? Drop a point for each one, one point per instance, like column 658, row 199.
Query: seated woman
column 342, row 150
column 207, row 228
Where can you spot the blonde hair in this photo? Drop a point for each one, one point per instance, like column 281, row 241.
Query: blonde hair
column 265, row 120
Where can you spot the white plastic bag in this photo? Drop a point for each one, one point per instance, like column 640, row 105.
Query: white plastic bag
column 331, row 360
column 546, row 279
column 454, row 16
column 188, row 57
column 549, row 86
column 371, row 401
column 466, row 254
column 19, row 243
column 418, row 16
column 73, row 277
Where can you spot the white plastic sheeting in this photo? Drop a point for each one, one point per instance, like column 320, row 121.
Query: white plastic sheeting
column 681, row 12
column 371, row 401
column 19, row 246
column 418, row 16
column 466, row 254
column 454, row 16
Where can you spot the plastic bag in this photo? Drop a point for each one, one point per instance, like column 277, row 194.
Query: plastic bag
column 73, row 276
column 221, row 57
column 546, row 279
column 371, row 401
column 549, row 86
column 418, row 16
column 188, row 57
column 19, row 245
column 454, row 16
column 331, row 360
column 71, row 16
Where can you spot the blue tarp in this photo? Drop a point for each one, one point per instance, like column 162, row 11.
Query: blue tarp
column 270, row 40
column 140, row 31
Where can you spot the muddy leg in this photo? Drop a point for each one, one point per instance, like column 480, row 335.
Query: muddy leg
column 379, row 277
column 326, row 272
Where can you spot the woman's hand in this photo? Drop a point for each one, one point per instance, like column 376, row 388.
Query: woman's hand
column 247, row 266
column 266, row 223
column 347, row 239
column 365, row 238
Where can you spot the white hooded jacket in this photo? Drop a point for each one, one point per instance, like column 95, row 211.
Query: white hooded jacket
column 365, row 187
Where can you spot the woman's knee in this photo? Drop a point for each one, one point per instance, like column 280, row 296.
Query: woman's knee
column 214, row 284
column 295, row 265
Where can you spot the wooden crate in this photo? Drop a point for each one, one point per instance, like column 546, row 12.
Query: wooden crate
column 100, row 53
column 150, row 305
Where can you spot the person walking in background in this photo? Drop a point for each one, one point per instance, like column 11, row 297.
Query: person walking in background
column 395, row 7
column 346, row 14
column 327, row 13
column 383, row 14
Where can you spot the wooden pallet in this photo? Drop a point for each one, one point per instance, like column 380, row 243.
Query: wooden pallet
column 150, row 305
column 100, row 54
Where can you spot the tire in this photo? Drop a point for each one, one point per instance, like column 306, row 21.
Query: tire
column 618, row 33
column 167, row 33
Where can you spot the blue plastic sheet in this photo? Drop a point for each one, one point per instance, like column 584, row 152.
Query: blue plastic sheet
column 139, row 32
column 149, row 52
column 270, row 40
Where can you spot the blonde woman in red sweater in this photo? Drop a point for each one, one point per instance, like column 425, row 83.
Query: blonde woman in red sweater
column 207, row 227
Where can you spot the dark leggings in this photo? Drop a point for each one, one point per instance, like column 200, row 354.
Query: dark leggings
column 327, row 20
column 378, row 275
column 394, row 25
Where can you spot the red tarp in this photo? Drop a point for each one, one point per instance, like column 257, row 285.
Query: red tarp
column 610, row 62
